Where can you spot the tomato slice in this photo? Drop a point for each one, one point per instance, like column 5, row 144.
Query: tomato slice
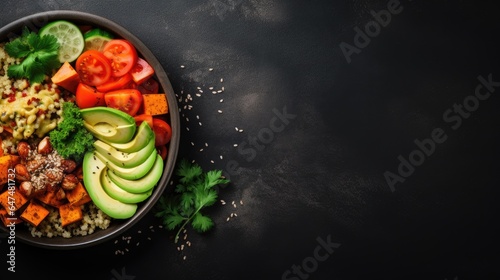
column 87, row 96
column 163, row 132
column 142, row 71
column 149, row 86
column 115, row 83
column 122, row 55
column 93, row 68
column 144, row 118
column 126, row 100
column 162, row 150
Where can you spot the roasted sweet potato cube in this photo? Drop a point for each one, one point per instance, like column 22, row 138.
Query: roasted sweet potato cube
column 34, row 213
column 12, row 200
column 8, row 219
column 7, row 162
column 70, row 214
column 49, row 198
column 78, row 196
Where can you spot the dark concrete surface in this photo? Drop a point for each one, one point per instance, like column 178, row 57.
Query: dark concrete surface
column 328, row 113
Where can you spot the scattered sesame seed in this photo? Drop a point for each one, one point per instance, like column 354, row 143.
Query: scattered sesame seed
column 198, row 87
column 232, row 215
column 236, row 128
column 185, row 236
column 199, row 123
column 184, row 258
column 227, row 220
column 211, row 161
column 220, row 156
column 198, row 94
column 139, row 231
column 188, row 243
column 210, row 69
column 184, row 231
column 241, row 130
column 116, row 241
column 137, row 244
column 178, row 248
column 201, row 91
column 234, row 205
column 187, row 119
column 201, row 150
column 192, row 144
column 235, row 215
column 182, row 66
column 222, row 201
column 241, row 202
column 187, row 128
column 149, row 238
column 211, row 88
column 182, row 247
column 197, row 117
column 219, row 111
column 219, row 91
column 214, row 92
column 235, row 145
column 221, row 80
column 206, row 144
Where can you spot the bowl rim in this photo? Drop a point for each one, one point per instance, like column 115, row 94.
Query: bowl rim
column 36, row 21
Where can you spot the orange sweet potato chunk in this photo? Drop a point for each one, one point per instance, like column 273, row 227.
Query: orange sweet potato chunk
column 34, row 213
column 12, row 200
column 78, row 196
column 70, row 214
column 155, row 104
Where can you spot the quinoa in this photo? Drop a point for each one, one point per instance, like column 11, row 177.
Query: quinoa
column 93, row 219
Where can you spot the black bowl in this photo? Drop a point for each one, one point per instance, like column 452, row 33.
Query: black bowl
column 34, row 23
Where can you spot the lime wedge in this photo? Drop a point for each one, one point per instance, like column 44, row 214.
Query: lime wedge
column 69, row 36
column 96, row 38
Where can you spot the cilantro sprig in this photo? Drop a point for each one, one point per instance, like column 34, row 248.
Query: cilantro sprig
column 39, row 56
column 194, row 192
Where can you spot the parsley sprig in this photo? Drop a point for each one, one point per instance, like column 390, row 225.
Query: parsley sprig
column 39, row 56
column 195, row 191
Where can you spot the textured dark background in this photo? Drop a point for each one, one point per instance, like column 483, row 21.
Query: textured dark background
column 322, row 176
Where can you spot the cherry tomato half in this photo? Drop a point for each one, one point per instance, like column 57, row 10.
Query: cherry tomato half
column 149, row 86
column 115, row 83
column 122, row 55
column 126, row 100
column 87, row 96
column 163, row 132
column 93, row 68
column 162, row 150
column 141, row 71
column 144, row 118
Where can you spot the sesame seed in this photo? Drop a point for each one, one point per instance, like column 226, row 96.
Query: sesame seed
column 182, row 66
column 137, row 244
column 199, row 123
column 232, row 215
column 221, row 80
column 222, row 88
column 241, row 202
column 211, row 88
column 220, row 156
column 219, row 91
column 206, row 144
column 211, row 161
column 214, row 92
column 222, row 201
column 198, row 94
column 197, row 117
column 235, row 215
column 198, row 87
column 187, row 128
column 139, row 231
column 219, row 111
column 182, row 247
column 235, row 145
column 192, row 144
column 187, row 119
column 201, row 91
column 227, row 220
column 222, row 100
column 210, row 69
column 201, row 150
column 184, row 258
column 116, row 241
column 241, row 130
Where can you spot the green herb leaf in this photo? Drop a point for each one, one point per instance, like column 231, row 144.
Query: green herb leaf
column 194, row 193
column 39, row 54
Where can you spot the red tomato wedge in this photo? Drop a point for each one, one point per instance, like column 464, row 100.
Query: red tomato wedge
column 162, row 150
column 93, row 68
column 126, row 100
column 66, row 77
column 149, row 86
column 142, row 71
column 144, row 118
column 122, row 55
column 115, row 83
column 163, row 132
column 87, row 96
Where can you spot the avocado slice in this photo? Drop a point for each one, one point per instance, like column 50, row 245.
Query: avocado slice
column 132, row 173
column 142, row 136
column 120, row 194
column 93, row 167
column 123, row 159
column 109, row 124
column 143, row 184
